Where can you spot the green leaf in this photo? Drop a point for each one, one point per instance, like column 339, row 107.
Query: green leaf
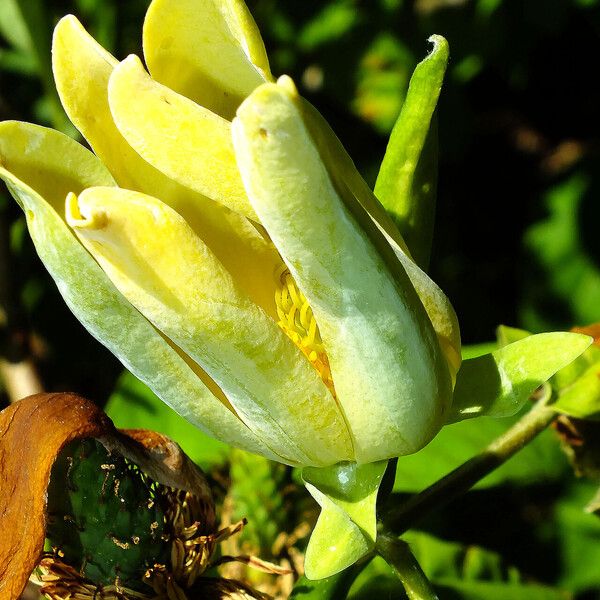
column 539, row 461
column 507, row 335
column 257, row 491
column 458, row 573
column 566, row 278
column 576, row 534
column 406, row 183
column 581, row 399
column 499, row 383
column 13, row 26
column 347, row 526
column 133, row 405
column 329, row 588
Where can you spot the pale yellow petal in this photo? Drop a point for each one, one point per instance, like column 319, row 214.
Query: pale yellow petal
column 389, row 373
column 208, row 50
column 82, row 70
column 171, row 276
column 40, row 166
column 49, row 162
column 183, row 140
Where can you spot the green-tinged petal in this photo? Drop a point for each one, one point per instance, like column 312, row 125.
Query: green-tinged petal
column 208, row 50
column 499, row 383
column 82, row 69
column 406, row 183
column 166, row 271
column 185, row 141
column 438, row 307
column 51, row 163
column 40, row 167
column 347, row 526
column 355, row 193
column 389, row 374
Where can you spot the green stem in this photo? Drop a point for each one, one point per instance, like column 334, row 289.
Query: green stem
column 398, row 555
column 459, row 481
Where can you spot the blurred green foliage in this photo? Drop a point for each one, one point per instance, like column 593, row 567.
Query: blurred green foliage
column 516, row 242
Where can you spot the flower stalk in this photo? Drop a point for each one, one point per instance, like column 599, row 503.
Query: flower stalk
column 400, row 518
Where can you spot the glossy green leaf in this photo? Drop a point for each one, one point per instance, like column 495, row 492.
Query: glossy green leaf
column 133, row 405
column 347, row 526
column 406, row 183
column 499, row 383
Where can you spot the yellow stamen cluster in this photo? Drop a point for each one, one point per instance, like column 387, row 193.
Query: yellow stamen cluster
column 298, row 322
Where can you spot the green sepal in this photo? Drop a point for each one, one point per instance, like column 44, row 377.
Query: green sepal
column 406, row 184
column 347, row 526
column 499, row 383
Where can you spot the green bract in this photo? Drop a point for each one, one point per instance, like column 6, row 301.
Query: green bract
column 222, row 244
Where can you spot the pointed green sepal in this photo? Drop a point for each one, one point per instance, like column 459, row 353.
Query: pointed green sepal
column 499, row 383
column 347, row 526
column 406, row 184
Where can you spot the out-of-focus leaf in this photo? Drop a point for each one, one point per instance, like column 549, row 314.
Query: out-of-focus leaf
column 498, row 384
column 346, row 529
column 13, row 27
column 570, row 275
column 507, row 335
column 406, row 183
column 332, row 22
column 539, row 461
column 256, row 491
column 330, row 588
column 457, row 572
column 134, row 405
column 382, row 81
column 482, row 590
column 577, row 533
column 32, row 29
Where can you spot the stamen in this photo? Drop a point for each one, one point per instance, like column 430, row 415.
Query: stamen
column 296, row 319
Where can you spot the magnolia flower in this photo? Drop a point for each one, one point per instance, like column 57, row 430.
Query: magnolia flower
column 244, row 271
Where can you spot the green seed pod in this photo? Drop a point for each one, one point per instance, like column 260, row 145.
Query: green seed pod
column 104, row 518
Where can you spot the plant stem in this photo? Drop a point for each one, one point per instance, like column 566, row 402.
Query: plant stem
column 459, row 481
column 398, row 555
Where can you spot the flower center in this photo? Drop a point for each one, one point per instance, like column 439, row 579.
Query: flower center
column 298, row 322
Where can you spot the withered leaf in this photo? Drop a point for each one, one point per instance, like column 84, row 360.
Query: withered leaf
column 33, row 431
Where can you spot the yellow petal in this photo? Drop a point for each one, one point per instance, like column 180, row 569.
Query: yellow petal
column 354, row 190
column 389, row 373
column 40, row 166
column 161, row 266
column 183, row 140
column 82, row 70
column 208, row 50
